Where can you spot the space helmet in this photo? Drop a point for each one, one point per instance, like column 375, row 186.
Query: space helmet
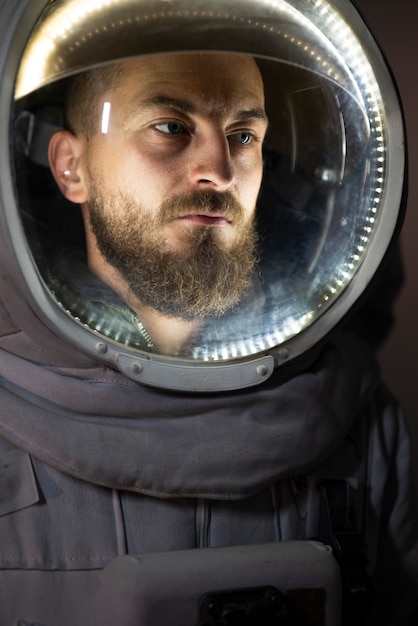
column 328, row 204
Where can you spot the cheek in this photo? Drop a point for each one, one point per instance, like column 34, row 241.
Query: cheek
column 250, row 183
column 148, row 175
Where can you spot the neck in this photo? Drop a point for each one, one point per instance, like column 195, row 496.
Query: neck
column 171, row 335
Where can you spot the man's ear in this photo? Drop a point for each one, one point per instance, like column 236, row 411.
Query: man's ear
column 64, row 153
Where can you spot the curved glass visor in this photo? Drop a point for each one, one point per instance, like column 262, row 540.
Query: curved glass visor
column 214, row 197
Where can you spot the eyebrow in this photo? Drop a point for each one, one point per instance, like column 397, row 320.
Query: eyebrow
column 184, row 106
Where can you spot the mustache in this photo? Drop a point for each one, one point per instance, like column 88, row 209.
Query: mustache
column 197, row 203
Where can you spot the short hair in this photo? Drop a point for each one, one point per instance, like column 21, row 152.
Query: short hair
column 82, row 97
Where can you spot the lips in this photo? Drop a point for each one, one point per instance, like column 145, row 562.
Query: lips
column 204, row 209
column 206, row 219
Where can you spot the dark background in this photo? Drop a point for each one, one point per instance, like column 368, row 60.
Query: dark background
column 394, row 24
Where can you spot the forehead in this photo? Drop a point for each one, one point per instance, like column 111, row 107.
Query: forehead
column 212, row 80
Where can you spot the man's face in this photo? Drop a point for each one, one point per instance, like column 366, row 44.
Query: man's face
column 173, row 178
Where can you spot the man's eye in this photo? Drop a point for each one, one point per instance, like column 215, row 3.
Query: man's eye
column 243, row 138
column 170, row 128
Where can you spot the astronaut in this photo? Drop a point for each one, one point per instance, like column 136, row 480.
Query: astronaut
column 182, row 158
column 177, row 366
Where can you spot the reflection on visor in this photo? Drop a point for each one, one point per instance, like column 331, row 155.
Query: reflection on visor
column 320, row 197
column 75, row 34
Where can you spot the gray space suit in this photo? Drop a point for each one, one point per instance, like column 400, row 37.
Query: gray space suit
column 227, row 471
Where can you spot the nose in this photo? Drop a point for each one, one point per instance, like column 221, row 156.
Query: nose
column 211, row 163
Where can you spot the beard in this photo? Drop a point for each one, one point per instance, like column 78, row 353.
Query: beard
column 206, row 277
